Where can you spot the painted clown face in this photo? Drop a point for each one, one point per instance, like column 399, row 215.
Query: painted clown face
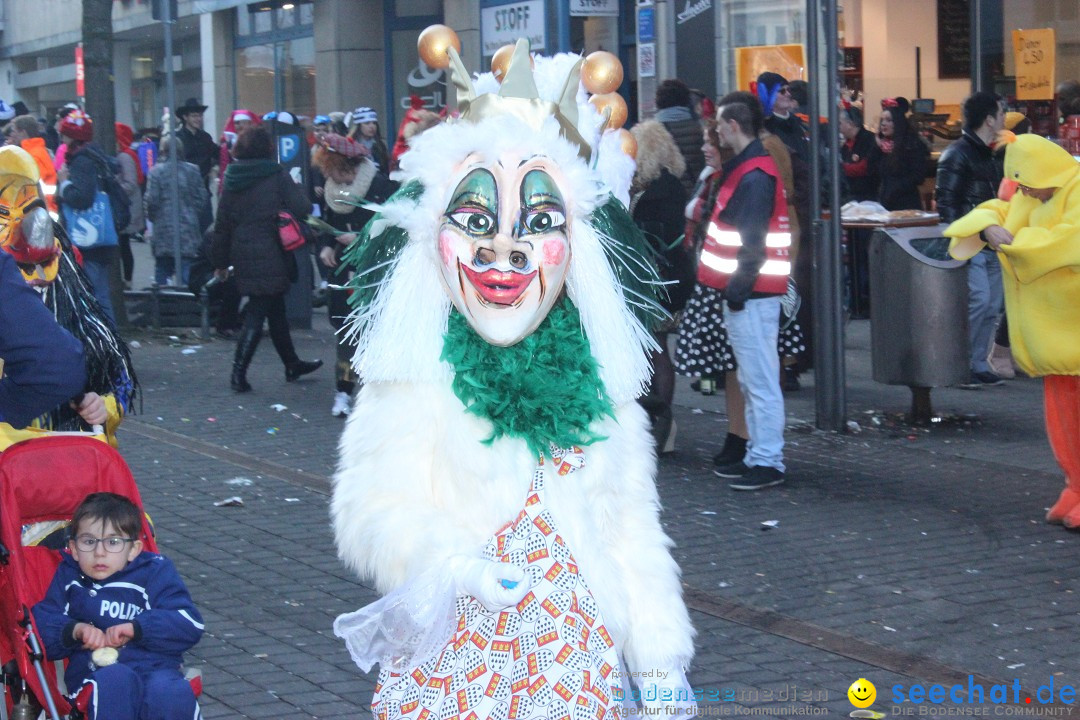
column 505, row 246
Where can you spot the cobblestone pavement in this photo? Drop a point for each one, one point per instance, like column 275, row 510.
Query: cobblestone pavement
column 900, row 555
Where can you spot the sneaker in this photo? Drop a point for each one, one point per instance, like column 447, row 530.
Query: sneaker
column 987, row 378
column 1001, row 362
column 972, row 383
column 342, row 403
column 734, row 470
column 758, row 477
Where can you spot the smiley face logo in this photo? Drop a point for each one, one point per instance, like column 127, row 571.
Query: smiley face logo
column 862, row 693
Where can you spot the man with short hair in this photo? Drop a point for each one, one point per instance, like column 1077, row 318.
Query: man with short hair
column 969, row 173
column 199, row 147
column 25, row 132
column 673, row 104
column 746, row 255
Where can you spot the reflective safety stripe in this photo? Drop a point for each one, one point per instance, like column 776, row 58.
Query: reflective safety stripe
column 732, row 238
column 728, row 266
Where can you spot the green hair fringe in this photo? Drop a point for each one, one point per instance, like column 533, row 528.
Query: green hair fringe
column 374, row 257
column 544, row 389
column 633, row 260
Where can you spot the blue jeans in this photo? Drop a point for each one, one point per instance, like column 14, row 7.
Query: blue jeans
column 986, row 297
column 163, row 269
column 96, row 265
column 752, row 332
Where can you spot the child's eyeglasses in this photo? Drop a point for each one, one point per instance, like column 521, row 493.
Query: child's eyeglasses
column 88, row 543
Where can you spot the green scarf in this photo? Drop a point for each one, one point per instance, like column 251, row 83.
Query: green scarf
column 242, row 174
column 544, row 389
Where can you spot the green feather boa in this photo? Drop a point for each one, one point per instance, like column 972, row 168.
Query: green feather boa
column 544, row 389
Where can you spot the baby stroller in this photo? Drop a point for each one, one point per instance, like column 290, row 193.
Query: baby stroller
column 42, row 481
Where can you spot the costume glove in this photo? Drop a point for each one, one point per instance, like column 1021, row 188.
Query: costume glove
column 488, row 581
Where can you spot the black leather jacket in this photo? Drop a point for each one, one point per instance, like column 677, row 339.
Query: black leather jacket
column 968, row 173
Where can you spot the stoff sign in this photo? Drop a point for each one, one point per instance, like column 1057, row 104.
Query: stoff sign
column 504, row 24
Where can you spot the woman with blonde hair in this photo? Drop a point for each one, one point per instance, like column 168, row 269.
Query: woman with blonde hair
column 657, row 199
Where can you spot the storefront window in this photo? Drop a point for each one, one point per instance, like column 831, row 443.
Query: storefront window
column 760, row 25
column 275, row 61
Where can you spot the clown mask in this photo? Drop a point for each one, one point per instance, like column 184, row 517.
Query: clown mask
column 505, row 246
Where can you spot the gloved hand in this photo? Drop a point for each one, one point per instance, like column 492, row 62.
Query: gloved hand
column 486, row 580
column 669, row 689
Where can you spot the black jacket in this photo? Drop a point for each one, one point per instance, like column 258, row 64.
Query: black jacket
column 900, row 173
column 658, row 211
column 862, row 185
column 687, row 134
column 792, row 131
column 199, row 149
column 968, row 173
column 749, row 210
column 246, row 233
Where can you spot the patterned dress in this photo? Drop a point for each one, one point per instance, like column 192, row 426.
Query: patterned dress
column 703, row 349
column 549, row 657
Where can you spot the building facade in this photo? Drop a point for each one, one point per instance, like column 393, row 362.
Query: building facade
column 317, row 56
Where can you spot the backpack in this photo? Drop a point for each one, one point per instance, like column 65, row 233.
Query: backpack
column 118, row 197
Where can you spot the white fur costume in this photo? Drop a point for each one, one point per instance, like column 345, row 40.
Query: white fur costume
column 416, row 483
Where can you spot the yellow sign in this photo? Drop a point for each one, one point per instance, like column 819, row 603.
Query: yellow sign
column 1033, row 51
column 786, row 60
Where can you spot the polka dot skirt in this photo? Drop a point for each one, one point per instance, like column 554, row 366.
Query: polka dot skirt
column 703, row 349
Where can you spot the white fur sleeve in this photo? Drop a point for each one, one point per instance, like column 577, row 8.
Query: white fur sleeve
column 386, row 521
column 658, row 630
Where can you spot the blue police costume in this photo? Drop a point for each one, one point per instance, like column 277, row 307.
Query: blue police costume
column 146, row 683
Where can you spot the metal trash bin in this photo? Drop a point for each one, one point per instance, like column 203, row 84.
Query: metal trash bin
column 918, row 313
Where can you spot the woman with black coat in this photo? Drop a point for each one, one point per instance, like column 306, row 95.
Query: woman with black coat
column 246, row 238
column 898, row 160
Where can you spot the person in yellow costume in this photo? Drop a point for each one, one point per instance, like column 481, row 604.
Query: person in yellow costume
column 50, row 265
column 1036, row 235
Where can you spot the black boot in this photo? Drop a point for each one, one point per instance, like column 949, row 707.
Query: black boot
column 245, row 350
column 733, row 452
column 297, row 368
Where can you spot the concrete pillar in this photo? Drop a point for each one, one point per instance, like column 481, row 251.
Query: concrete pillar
column 218, row 68
column 350, row 57
column 122, row 82
column 464, row 17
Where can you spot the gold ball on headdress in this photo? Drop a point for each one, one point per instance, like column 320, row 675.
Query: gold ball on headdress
column 627, row 142
column 615, row 103
column 433, row 43
column 500, row 61
column 601, row 73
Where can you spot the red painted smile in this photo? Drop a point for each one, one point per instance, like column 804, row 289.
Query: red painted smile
column 498, row 288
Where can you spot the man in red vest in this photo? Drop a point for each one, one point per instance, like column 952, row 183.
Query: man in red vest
column 747, row 255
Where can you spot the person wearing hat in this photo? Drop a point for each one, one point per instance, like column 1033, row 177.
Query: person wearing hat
column 239, row 121
column 77, row 191
column 1036, row 236
column 199, row 147
column 363, row 125
column 969, row 173
column 775, row 94
column 351, row 180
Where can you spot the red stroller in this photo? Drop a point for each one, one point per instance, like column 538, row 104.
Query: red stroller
column 42, row 481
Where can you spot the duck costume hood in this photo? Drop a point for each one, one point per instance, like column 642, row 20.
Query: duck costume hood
column 1036, row 162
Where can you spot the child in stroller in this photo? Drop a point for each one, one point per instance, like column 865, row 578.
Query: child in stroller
column 121, row 615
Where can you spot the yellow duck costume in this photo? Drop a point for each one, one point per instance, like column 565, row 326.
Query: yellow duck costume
column 1041, row 274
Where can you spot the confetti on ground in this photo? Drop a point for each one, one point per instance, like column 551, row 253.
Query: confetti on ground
column 234, row 501
column 241, row 481
column 769, row 524
column 279, row 407
column 272, row 431
column 707, row 512
column 188, row 351
column 135, row 344
column 211, row 419
column 292, row 499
